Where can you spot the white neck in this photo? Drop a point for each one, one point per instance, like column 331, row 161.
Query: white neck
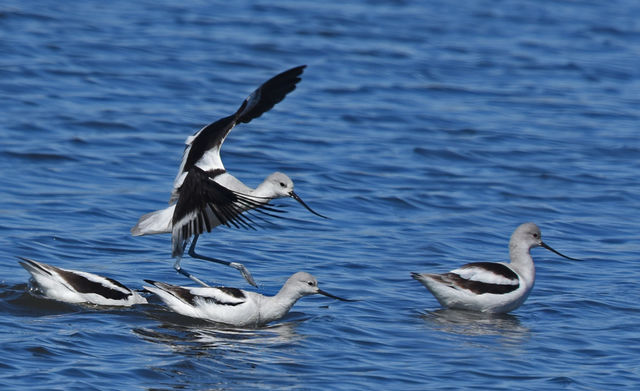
column 230, row 182
column 275, row 307
column 522, row 262
column 264, row 191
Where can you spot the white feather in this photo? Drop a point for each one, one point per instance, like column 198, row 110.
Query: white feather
column 157, row 222
column 51, row 282
column 480, row 274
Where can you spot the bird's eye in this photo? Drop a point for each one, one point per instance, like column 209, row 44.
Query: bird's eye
column 282, row 184
column 310, row 283
column 535, row 235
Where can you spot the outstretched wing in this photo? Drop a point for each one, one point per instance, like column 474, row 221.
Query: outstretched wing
column 203, row 148
column 205, row 204
column 269, row 94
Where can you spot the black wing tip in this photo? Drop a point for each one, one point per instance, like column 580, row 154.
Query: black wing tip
column 299, row 69
column 296, row 72
column 269, row 94
column 290, row 76
column 286, row 81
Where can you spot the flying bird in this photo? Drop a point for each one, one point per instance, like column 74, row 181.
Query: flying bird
column 205, row 195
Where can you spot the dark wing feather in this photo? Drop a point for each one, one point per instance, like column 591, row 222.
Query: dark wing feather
column 484, row 277
column 269, row 94
column 496, row 268
column 84, row 285
column 209, row 137
column 81, row 283
column 478, row 287
column 260, row 101
column 205, row 204
column 188, row 296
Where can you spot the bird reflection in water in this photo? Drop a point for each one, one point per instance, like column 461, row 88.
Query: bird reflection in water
column 185, row 334
column 472, row 323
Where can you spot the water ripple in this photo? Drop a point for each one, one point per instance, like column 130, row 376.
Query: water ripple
column 426, row 131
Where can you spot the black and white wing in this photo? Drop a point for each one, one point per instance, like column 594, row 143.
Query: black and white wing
column 205, row 204
column 203, row 148
column 77, row 286
column 197, row 296
column 483, row 277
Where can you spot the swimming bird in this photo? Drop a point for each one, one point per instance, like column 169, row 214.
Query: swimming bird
column 73, row 286
column 237, row 307
column 205, row 195
column 491, row 287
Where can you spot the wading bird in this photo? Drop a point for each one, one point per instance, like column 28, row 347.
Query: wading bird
column 234, row 306
column 487, row 286
column 205, row 195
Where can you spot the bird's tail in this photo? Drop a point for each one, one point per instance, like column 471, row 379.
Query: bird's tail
column 34, row 267
column 158, row 222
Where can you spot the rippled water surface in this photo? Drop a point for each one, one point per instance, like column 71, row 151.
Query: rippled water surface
column 427, row 131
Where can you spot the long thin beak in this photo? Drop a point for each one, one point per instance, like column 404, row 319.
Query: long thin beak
column 557, row 252
column 297, row 198
column 320, row 291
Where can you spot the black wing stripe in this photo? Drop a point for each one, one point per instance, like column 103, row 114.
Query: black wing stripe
column 235, row 292
column 479, row 287
column 84, row 285
column 495, row 268
column 190, row 298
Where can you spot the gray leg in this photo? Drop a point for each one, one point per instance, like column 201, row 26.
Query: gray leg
column 238, row 266
column 187, row 274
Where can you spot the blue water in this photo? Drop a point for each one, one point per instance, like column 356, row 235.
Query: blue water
column 427, row 131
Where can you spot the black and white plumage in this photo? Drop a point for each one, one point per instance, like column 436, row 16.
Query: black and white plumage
column 73, row 286
column 491, row 287
column 236, row 307
column 205, row 195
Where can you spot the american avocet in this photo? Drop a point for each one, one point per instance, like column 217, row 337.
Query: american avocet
column 73, row 286
column 234, row 306
column 491, row 287
column 205, row 195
